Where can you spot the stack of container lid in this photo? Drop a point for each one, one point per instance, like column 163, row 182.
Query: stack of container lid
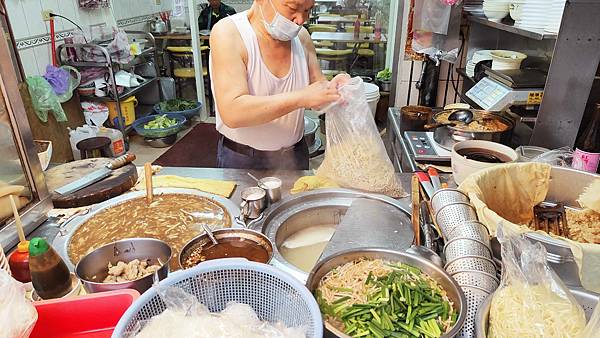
column 467, row 251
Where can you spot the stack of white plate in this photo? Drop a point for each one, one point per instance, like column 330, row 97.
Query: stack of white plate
column 530, row 15
column 555, row 16
column 478, row 56
column 473, row 6
column 496, row 10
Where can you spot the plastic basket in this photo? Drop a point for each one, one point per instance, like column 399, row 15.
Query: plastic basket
column 188, row 113
column 274, row 295
column 139, row 124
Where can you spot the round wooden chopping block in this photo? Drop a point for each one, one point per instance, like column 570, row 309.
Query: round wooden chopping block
column 118, row 182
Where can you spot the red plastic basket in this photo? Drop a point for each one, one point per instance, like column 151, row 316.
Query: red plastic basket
column 94, row 315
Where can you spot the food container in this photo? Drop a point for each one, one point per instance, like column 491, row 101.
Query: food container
column 453, row 290
column 161, row 142
column 92, row 268
column 188, row 113
column 139, row 124
column 462, row 166
column 127, row 110
column 414, row 118
column 250, row 237
column 310, row 130
column 447, row 136
column 94, row 315
column 586, row 299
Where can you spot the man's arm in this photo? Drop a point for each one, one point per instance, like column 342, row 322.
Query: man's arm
column 314, row 68
column 237, row 107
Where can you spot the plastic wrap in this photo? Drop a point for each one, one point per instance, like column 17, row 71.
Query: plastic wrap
column 355, row 156
column 58, row 78
column 561, row 157
column 44, row 99
column 531, row 301
column 436, row 30
column 593, row 326
column 17, row 315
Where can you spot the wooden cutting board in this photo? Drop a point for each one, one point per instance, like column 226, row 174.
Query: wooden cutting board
column 118, row 182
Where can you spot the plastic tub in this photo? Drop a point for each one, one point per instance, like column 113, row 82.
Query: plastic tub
column 92, row 316
column 139, row 124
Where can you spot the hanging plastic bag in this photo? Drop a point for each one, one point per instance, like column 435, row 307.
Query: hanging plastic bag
column 58, row 78
column 355, row 156
column 17, row 315
column 44, row 99
column 531, row 301
column 436, row 30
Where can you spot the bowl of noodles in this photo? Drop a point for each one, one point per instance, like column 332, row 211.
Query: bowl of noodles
column 384, row 293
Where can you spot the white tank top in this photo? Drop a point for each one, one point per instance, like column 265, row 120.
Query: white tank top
column 286, row 130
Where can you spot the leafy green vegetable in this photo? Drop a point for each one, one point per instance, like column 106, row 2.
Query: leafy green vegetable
column 177, row 105
column 384, row 75
column 405, row 303
column 161, row 122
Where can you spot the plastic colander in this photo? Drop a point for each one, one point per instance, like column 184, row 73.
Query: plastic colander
column 274, row 295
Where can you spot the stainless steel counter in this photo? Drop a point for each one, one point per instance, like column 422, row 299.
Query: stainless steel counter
column 49, row 228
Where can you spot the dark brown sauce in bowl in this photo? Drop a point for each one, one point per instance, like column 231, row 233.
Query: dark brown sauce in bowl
column 484, row 155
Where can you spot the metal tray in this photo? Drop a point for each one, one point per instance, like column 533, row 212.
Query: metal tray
column 61, row 242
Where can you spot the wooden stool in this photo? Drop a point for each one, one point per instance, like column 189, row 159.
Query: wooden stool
column 94, row 147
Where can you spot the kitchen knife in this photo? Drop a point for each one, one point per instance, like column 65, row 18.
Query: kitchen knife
column 97, row 175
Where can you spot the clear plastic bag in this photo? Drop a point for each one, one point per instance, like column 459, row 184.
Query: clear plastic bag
column 44, row 99
column 436, row 30
column 355, row 156
column 17, row 315
column 561, row 157
column 531, row 301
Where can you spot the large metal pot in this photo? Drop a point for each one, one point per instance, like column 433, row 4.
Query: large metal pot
column 566, row 185
column 319, row 207
column 310, row 130
column 63, row 239
column 455, row 293
column 447, row 136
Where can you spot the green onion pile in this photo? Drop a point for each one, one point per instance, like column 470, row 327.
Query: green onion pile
column 402, row 303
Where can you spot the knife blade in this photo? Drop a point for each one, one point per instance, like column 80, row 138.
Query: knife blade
column 96, row 176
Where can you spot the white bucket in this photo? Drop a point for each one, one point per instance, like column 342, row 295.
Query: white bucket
column 372, row 95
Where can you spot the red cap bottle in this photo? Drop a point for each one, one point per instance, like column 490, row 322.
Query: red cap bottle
column 19, row 263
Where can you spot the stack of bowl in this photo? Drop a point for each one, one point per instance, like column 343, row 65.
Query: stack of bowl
column 467, row 251
column 496, row 10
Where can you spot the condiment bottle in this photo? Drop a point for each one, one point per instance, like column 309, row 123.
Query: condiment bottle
column 587, row 147
column 19, row 263
column 50, row 276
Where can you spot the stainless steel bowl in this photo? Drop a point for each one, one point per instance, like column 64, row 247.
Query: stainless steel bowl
column 92, row 268
column 310, row 130
column 455, row 293
column 161, row 142
column 202, row 241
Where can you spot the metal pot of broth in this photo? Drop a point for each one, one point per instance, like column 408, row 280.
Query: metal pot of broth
column 485, row 126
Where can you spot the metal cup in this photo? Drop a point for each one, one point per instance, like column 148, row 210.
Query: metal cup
column 272, row 185
column 253, row 202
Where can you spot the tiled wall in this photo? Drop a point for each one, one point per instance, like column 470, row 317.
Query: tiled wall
column 32, row 33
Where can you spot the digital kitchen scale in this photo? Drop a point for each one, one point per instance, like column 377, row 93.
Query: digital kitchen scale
column 424, row 148
column 503, row 89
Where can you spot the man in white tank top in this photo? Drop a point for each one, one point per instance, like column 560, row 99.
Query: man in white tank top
column 265, row 72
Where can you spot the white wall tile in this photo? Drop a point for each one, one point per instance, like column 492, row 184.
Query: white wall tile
column 16, row 14
column 29, row 62
column 33, row 17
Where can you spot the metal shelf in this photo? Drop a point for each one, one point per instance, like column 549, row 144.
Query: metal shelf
column 125, row 94
column 511, row 29
column 462, row 72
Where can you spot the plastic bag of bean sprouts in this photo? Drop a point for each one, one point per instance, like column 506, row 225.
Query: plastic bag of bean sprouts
column 355, row 156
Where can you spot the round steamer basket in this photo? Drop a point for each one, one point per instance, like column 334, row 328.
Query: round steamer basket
column 274, row 295
column 468, row 263
column 479, row 279
column 475, row 297
column 470, row 229
column 460, row 247
column 447, row 196
column 454, row 215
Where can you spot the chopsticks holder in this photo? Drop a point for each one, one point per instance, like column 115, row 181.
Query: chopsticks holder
column 17, row 217
column 416, row 198
column 148, row 179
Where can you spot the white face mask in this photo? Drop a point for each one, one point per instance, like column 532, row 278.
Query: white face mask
column 281, row 28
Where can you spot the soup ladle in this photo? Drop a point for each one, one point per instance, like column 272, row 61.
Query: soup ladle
column 205, row 227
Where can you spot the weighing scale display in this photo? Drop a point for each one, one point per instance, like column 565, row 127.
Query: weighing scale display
column 490, row 95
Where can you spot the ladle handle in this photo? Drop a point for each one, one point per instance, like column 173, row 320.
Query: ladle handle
column 437, row 125
column 148, row 179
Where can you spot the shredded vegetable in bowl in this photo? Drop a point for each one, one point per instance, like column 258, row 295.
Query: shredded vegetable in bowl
column 380, row 299
column 522, row 310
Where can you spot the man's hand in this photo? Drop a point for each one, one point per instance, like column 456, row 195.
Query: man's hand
column 339, row 80
column 318, row 94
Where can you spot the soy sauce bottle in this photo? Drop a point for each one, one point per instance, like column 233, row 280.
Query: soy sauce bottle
column 587, row 147
column 49, row 274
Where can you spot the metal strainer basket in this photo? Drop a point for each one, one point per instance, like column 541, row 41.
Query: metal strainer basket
column 459, row 247
column 454, row 215
column 447, row 196
column 467, row 263
column 480, row 279
column 274, row 295
column 470, row 229
column 475, row 297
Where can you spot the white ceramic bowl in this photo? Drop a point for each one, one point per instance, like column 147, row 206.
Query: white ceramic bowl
column 507, row 59
column 495, row 15
column 463, row 167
